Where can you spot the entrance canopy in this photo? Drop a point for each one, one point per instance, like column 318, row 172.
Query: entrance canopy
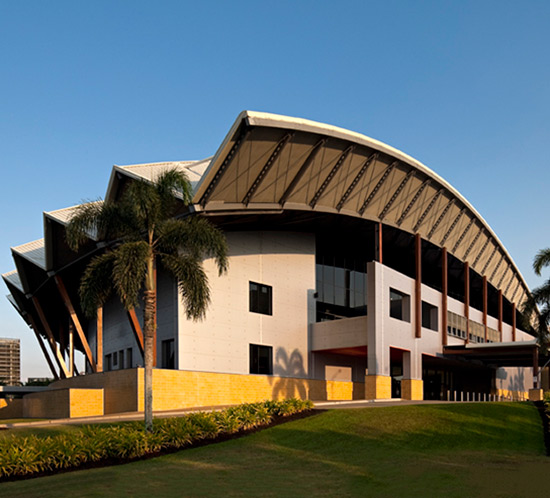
column 504, row 354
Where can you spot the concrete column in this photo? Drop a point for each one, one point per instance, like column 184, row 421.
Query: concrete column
column 467, row 299
column 378, row 380
column 412, row 386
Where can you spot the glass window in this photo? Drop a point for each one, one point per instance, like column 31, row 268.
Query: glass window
column 261, row 359
column 260, row 298
column 168, row 358
column 399, row 305
column 429, row 317
column 129, row 359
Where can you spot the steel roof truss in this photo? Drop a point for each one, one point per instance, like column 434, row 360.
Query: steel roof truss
column 223, row 167
column 377, row 187
column 427, row 210
column 441, row 216
column 452, row 227
column 331, row 175
column 473, row 243
column 413, row 200
column 307, row 163
column 267, row 166
column 366, row 164
column 463, row 234
column 396, row 194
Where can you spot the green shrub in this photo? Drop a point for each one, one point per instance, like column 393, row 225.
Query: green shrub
column 24, row 456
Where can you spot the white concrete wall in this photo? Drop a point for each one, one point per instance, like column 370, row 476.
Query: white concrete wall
column 344, row 333
column 220, row 343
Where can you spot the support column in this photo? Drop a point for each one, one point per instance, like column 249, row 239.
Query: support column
column 71, row 350
column 418, row 286
column 535, row 394
column 378, row 253
column 412, row 386
column 136, row 328
column 63, row 370
column 43, row 348
column 500, row 311
column 467, row 299
column 513, row 322
column 444, row 292
column 76, row 322
column 485, row 308
column 99, row 339
column 378, row 380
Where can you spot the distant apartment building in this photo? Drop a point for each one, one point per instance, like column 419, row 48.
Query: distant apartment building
column 10, row 362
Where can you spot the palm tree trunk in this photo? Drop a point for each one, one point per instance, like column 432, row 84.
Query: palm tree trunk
column 149, row 334
column 149, row 321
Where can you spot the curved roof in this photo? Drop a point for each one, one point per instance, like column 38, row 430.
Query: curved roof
column 272, row 162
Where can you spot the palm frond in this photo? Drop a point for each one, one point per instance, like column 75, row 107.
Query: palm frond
column 192, row 283
column 83, row 223
column 168, row 185
column 196, row 237
column 129, row 271
column 542, row 260
column 143, row 200
column 96, row 283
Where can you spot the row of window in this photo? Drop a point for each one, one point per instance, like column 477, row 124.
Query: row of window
column 400, row 308
column 124, row 358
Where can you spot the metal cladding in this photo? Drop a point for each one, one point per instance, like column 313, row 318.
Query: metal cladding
column 269, row 163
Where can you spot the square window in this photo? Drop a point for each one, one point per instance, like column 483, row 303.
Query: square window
column 261, row 359
column 399, row 305
column 168, row 357
column 429, row 318
column 260, row 298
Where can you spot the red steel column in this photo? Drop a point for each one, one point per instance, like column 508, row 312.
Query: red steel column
column 418, row 286
column 467, row 299
column 444, row 291
column 513, row 322
column 500, row 314
column 485, row 307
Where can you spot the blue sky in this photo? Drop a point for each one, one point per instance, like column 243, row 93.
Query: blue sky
column 462, row 86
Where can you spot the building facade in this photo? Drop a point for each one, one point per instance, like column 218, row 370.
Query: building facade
column 350, row 262
column 10, row 362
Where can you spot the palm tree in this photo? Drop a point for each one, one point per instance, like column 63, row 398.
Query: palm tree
column 140, row 229
column 536, row 309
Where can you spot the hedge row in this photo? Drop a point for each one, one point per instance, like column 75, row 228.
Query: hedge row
column 25, row 456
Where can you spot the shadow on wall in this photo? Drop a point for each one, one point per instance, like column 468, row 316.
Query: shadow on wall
column 11, row 408
column 291, row 373
column 512, row 381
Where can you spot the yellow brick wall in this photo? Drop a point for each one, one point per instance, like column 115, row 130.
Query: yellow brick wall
column 11, row 408
column 175, row 389
column 86, row 402
column 412, row 389
column 514, row 395
column 377, row 387
column 47, row 404
column 120, row 388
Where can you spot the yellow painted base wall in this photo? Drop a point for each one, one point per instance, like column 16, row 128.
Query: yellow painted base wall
column 512, row 395
column 412, row 389
column 176, row 389
column 377, row 387
column 11, row 408
column 120, row 387
column 63, row 403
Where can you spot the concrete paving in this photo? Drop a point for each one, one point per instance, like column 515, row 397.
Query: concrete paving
column 130, row 416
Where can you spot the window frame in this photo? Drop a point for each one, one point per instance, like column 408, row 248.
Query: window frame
column 254, row 304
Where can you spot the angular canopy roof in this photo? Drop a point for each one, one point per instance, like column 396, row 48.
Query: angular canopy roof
column 271, row 162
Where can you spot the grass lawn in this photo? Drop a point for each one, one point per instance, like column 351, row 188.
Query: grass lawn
column 470, row 450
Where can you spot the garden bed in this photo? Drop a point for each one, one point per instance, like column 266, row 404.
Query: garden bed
column 102, row 445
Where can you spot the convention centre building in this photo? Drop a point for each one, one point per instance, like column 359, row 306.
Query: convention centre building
column 355, row 272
